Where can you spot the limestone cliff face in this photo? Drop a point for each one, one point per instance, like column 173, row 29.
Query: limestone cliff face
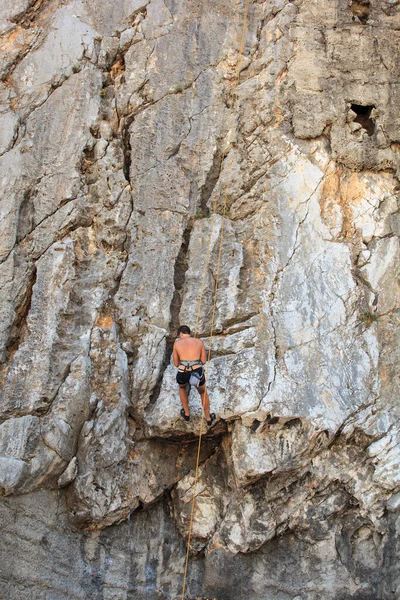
column 123, row 130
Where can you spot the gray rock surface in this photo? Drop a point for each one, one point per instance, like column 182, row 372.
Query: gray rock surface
column 141, row 159
column 335, row 554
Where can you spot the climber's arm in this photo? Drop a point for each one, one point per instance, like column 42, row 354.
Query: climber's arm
column 203, row 354
column 175, row 356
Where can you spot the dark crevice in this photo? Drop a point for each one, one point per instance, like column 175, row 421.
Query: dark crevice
column 255, row 425
column 293, row 423
column 390, row 565
column 181, row 266
column 214, row 433
column 19, row 328
column 210, row 182
column 272, row 420
column 126, row 146
column 28, row 16
column 364, row 117
column 26, row 216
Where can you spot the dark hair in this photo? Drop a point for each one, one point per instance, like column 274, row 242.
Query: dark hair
column 184, row 329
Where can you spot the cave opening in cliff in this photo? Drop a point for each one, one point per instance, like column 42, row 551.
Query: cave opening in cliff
column 360, row 10
column 364, row 117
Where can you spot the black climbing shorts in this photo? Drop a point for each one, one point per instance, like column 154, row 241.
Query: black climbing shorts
column 182, row 377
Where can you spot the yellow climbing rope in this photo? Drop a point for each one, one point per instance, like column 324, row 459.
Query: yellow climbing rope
column 199, row 301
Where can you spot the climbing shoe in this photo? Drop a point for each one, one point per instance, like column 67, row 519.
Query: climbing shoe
column 186, row 417
column 212, row 418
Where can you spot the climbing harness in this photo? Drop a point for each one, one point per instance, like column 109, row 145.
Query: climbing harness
column 221, row 236
column 194, row 368
column 189, row 364
column 196, row 374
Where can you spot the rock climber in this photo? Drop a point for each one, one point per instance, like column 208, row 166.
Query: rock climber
column 189, row 357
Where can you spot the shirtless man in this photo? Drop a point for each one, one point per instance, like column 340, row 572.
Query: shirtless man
column 189, row 357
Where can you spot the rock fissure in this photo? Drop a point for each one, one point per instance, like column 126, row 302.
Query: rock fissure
column 28, row 16
column 19, row 326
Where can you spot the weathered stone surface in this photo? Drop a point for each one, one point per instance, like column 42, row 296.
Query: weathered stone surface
column 55, row 59
column 28, row 388
column 263, row 449
column 99, row 489
column 144, row 558
column 142, row 161
column 210, row 501
column 69, row 474
column 43, row 446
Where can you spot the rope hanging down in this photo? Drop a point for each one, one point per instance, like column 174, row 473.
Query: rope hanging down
column 221, row 237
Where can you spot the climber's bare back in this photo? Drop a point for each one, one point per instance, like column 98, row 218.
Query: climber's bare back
column 189, row 348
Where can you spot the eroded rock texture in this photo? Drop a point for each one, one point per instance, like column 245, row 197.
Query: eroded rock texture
column 124, row 130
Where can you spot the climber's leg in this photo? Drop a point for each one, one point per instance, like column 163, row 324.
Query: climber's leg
column 184, row 399
column 205, row 401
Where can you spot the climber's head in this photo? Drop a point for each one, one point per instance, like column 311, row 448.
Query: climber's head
column 184, row 330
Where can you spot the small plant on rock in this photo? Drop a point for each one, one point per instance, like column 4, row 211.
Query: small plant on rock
column 368, row 318
column 200, row 214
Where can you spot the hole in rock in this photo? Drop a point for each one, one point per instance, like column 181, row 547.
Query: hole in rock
column 26, row 217
column 322, row 438
column 117, row 68
column 360, row 9
column 255, row 425
column 272, row 420
column 293, row 423
column 364, row 117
